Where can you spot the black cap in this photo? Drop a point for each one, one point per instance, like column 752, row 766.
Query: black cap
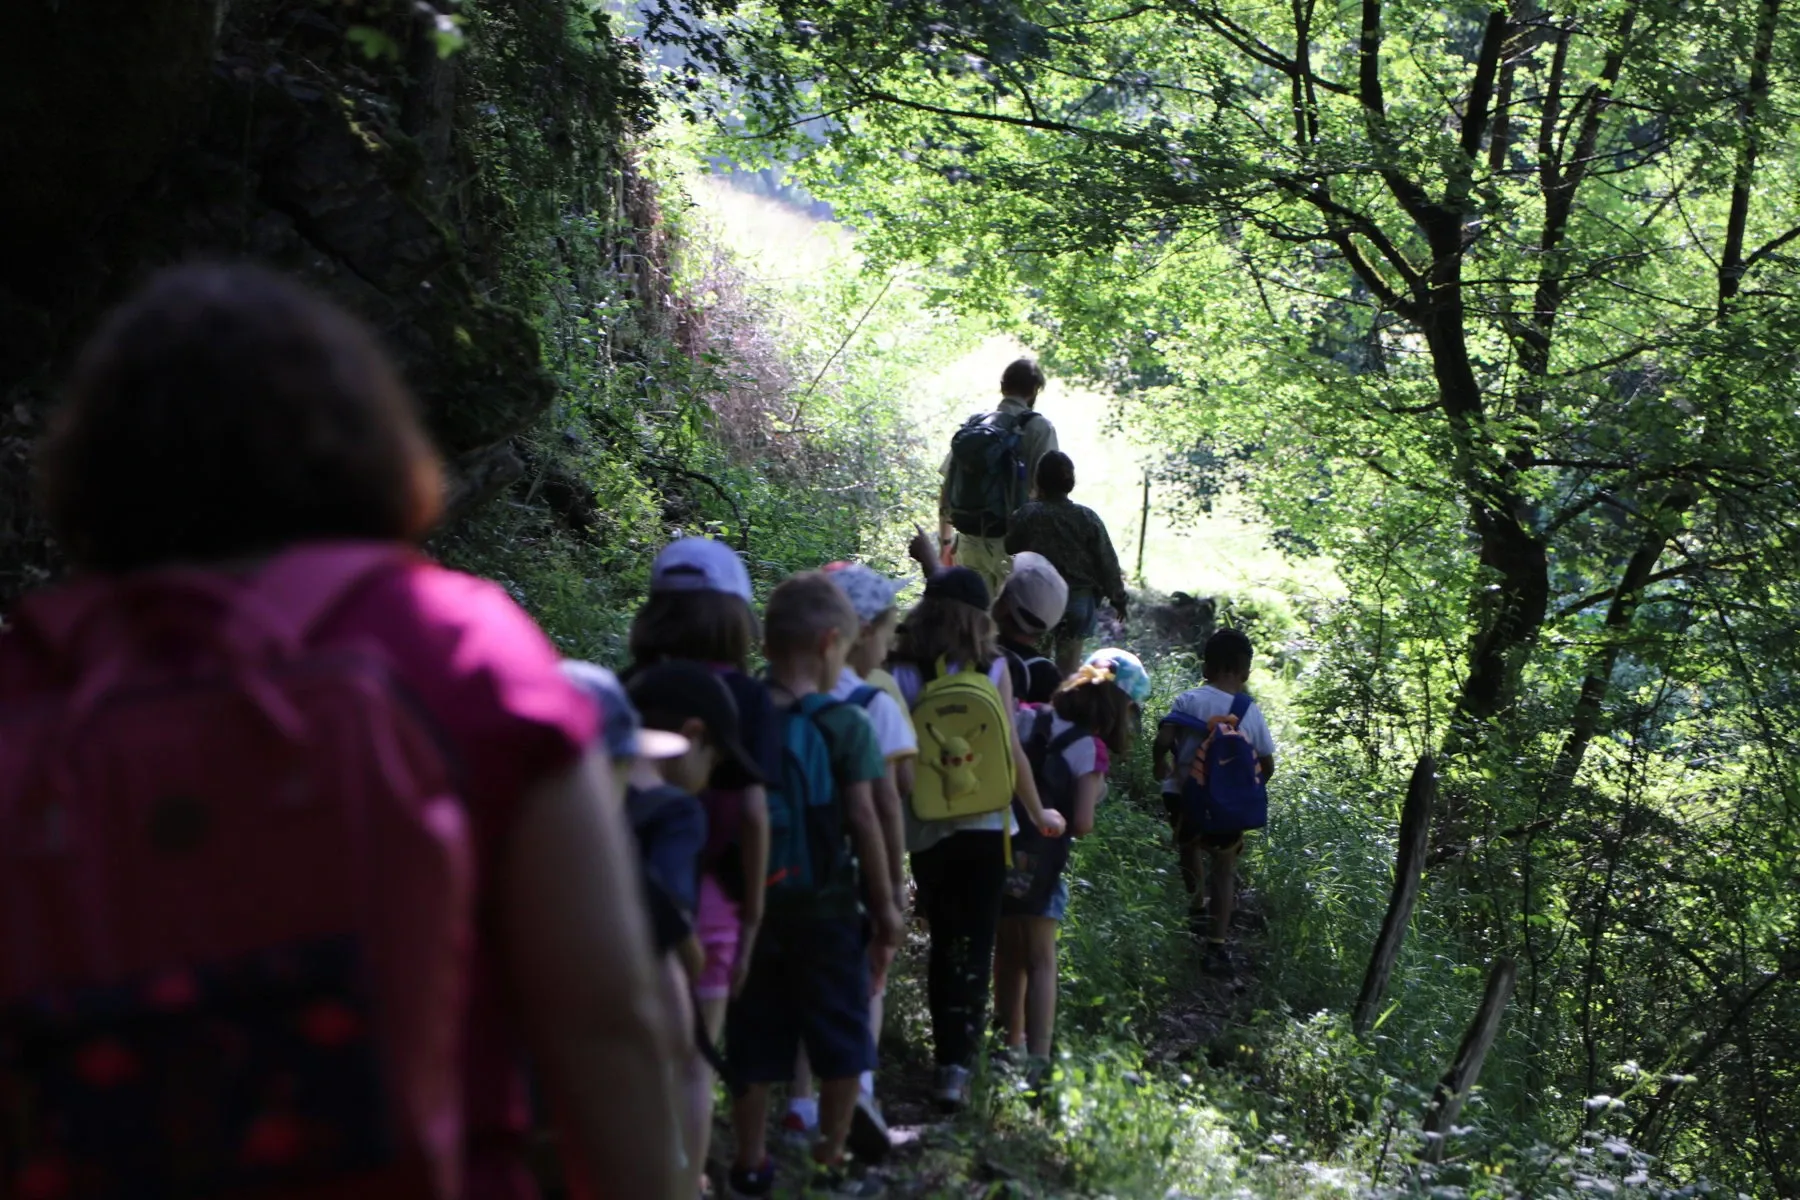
column 958, row 583
column 670, row 693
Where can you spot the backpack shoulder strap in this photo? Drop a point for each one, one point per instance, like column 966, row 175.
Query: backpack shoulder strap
column 810, row 708
column 1036, row 743
column 1240, row 705
column 1185, row 720
column 863, row 696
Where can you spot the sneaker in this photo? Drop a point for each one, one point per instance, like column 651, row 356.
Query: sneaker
column 795, row 1131
column 751, row 1185
column 836, row 1182
column 1007, row 1060
column 869, row 1139
column 950, row 1089
column 1216, row 961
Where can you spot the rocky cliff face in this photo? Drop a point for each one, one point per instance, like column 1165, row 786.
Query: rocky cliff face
column 333, row 141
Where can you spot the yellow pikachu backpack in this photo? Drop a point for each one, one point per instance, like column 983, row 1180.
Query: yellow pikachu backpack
column 965, row 747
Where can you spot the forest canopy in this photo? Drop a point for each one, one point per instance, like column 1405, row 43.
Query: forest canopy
column 1495, row 306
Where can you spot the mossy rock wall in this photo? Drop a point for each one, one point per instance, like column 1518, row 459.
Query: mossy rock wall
column 415, row 188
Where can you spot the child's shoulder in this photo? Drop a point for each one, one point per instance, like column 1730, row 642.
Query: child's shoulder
column 1198, row 696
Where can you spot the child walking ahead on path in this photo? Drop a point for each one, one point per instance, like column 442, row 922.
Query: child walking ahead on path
column 959, row 863
column 808, row 982
column 689, row 700
column 699, row 609
column 1070, row 743
column 872, row 595
column 663, row 757
column 1226, row 666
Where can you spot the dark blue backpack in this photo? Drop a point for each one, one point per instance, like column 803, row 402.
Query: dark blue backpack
column 987, row 472
column 1234, row 797
column 1039, row 861
column 808, row 846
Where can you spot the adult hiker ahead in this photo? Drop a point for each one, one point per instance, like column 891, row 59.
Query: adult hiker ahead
column 990, row 472
column 1074, row 539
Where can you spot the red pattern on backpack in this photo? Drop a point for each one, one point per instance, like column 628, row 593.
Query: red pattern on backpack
column 236, row 896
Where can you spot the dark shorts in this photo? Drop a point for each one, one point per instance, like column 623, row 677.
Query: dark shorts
column 1228, row 842
column 1081, row 616
column 808, row 984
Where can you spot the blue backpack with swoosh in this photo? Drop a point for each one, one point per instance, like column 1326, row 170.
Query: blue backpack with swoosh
column 1232, row 796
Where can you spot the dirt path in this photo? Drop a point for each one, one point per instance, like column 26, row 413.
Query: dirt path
column 972, row 1154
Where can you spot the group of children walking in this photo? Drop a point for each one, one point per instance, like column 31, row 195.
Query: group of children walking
column 324, row 881
column 778, row 813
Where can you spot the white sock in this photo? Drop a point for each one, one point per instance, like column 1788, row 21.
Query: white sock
column 806, row 1108
column 868, row 1083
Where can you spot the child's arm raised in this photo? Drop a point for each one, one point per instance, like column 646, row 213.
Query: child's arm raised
column 865, row 835
column 921, row 551
column 1049, row 822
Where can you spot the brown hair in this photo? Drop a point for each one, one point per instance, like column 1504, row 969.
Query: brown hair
column 1022, row 377
column 948, row 629
column 801, row 608
column 1055, row 475
column 1090, row 699
column 225, row 412
column 715, row 627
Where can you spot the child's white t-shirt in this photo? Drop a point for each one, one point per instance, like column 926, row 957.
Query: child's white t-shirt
column 893, row 729
column 1202, row 704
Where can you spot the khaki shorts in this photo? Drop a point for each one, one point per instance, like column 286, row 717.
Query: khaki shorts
column 987, row 557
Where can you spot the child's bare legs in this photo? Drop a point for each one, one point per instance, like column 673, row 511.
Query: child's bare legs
column 750, row 1123
column 1194, row 857
column 836, row 1098
column 1223, row 887
column 694, row 1121
column 803, row 1109
column 700, row 1081
column 880, row 960
column 1010, row 978
column 1039, row 937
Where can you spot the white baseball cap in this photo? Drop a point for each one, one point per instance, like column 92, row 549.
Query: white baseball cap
column 1039, row 595
column 697, row 564
column 621, row 728
column 871, row 593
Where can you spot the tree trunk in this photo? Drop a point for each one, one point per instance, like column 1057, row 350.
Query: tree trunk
column 1454, row 1088
column 1409, row 866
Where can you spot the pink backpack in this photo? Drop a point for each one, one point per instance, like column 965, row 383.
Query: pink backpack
column 236, row 892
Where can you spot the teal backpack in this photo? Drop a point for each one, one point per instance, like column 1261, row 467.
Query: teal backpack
column 808, row 842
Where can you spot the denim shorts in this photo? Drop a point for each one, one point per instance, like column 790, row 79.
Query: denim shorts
column 1080, row 617
column 808, row 985
column 1057, row 907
